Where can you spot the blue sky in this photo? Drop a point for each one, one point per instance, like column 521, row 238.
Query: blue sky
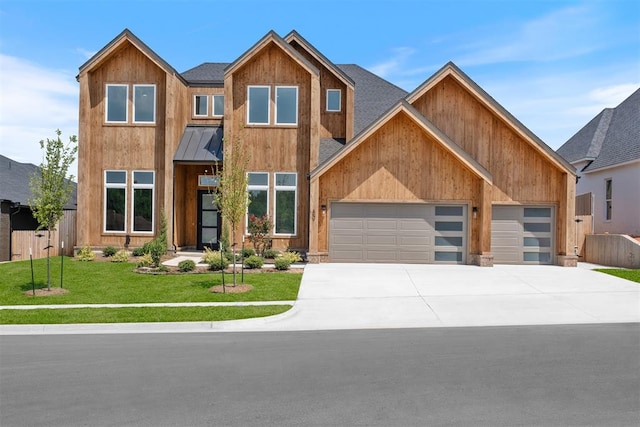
column 553, row 64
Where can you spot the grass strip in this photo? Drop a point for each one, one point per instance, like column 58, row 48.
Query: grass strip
column 633, row 275
column 136, row 314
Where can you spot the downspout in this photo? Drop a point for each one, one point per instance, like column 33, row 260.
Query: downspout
column 309, row 219
column 173, row 210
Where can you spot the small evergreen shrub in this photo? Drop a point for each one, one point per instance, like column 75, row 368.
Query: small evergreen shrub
column 139, row 251
column 120, row 256
column 292, row 256
column 247, row 252
column 253, row 261
column 271, row 253
column 109, row 251
column 282, row 263
column 144, row 260
column 215, row 261
column 162, row 268
column 85, row 254
column 186, row 265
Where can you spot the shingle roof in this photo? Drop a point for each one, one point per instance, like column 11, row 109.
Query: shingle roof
column 610, row 138
column 328, row 146
column 200, row 143
column 15, row 178
column 209, row 73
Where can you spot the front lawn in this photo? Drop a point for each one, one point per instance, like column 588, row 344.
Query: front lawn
column 633, row 275
column 118, row 283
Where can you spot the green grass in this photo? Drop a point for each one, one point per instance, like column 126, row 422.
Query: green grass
column 633, row 275
column 117, row 283
column 137, row 314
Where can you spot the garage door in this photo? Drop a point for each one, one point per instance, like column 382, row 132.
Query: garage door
column 397, row 233
column 522, row 234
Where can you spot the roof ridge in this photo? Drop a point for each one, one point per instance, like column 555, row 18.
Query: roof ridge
column 601, row 132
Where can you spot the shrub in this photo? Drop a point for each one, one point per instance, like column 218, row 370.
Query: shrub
column 271, row 253
column 109, row 251
column 139, row 251
column 254, row 261
column 156, row 250
column 292, row 256
column 247, row 252
column 186, row 265
column 259, row 229
column 120, row 256
column 144, row 261
column 215, row 260
column 282, row 263
column 85, row 254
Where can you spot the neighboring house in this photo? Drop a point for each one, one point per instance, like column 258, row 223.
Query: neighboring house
column 606, row 153
column 350, row 167
column 17, row 224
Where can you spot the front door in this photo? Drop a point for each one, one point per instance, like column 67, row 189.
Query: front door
column 208, row 221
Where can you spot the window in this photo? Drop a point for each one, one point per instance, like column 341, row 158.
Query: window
column 258, row 105
column 608, row 191
column 334, row 100
column 200, row 105
column 115, row 201
column 258, row 189
column 285, row 203
column 144, row 103
column 218, row 105
column 286, row 105
column 116, row 103
column 143, row 183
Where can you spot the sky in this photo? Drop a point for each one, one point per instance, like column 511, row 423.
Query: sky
column 554, row 65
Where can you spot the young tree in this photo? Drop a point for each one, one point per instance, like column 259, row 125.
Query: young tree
column 51, row 188
column 231, row 196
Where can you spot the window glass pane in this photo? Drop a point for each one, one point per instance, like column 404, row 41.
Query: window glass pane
column 144, row 98
column 448, row 241
column 259, row 105
column 449, row 210
column 285, row 212
column 116, row 177
column 116, row 103
column 287, row 105
column 448, row 256
column 544, row 257
column 285, row 179
column 143, row 178
column 202, row 105
column 608, row 210
column 542, row 242
column 115, row 205
column 209, row 235
column 608, row 188
column 142, row 209
column 258, row 205
column 448, row 226
column 218, row 105
column 333, row 100
column 537, row 227
column 258, row 178
column 537, row 212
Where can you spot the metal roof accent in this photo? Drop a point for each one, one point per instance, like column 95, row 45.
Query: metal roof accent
column 200, row 144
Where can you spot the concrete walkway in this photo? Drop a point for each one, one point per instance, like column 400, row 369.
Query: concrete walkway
column 366, row 296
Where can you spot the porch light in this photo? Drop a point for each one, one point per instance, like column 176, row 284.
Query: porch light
column 475, row 212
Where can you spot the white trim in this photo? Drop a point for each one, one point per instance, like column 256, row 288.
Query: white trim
column 104, row 200
column 249, row 122
column 606, row 216
column 133, row 118
column 630, row 162
column 339, row 101
column 275, row 116
column 289, row 188
column 106, row 103
column 259, row 188
column 151, row 187
column 195, row 105
column 213, row 105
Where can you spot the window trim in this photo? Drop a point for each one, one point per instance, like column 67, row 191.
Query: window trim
column 195, row 105
column 275, row 115
column 106, row 104
column 134, row 187
column 339, row 91
column 133, row 117
column 249, row 122
column 256, row 187
column 608, row 201
column 104, row 198
column 213, row 105
column 293, row 188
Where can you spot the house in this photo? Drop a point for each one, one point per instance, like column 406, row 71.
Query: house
column 350, row 167
column 17, row 224
column 606, row 153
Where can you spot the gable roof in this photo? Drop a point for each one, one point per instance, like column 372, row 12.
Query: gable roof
column 15, row 178
column 450, row 69
column 126, row 36
column 610, row 138
column 207, row 74
column 404, row 107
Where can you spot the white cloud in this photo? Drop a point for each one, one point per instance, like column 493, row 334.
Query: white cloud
column 34, row 102
column 395, row 64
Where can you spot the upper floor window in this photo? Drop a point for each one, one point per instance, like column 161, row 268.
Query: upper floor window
column 286, row 105
column 144, row 103
column 334, row 101
column 258, row 105
column 117, row 105
column 608, row 193
column 201, row 105
column 218, row 105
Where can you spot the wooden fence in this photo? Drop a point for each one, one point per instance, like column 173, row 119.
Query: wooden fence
column 584, row 221
column 23, row 241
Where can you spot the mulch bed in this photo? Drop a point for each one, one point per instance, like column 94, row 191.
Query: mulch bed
column 239, row 288
column 43, row 292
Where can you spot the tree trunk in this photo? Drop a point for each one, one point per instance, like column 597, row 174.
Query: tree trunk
column 233, row 253
column 48, row 259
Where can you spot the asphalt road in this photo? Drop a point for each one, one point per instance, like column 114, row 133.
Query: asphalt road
column 498, row 376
